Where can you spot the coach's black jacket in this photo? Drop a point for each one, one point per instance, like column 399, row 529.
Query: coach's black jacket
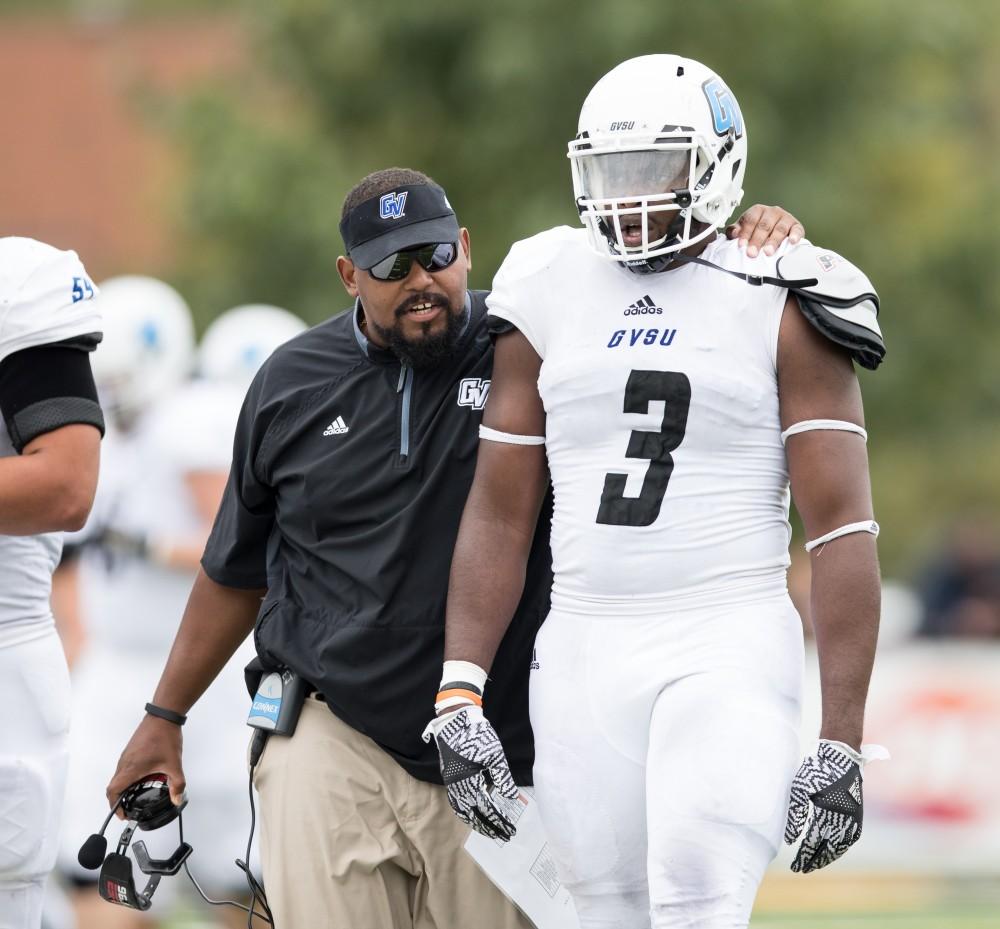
column 349, row 477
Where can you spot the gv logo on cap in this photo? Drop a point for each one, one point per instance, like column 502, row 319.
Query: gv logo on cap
column 390, row 206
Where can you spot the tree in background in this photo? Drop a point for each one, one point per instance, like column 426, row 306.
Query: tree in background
column 877, row 124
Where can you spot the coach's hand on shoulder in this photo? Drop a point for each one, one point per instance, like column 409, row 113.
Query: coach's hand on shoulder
column 155, row 747
column 764, row 228
column 826, row 799
column 475, row 770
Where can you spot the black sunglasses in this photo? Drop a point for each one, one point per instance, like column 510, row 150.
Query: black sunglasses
column 433, row 257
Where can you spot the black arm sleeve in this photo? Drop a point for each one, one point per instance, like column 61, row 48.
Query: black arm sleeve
column 45, row 388
column 236, row 552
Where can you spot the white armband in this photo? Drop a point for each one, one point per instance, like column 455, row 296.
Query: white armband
column 868, row 525
column 838, row 425
column 494, row 435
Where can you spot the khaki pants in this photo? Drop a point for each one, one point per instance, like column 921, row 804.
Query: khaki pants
column 349, row 840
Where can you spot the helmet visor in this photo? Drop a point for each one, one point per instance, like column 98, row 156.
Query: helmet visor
column 633, row 175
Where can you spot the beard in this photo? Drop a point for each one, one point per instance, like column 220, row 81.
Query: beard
column 430, row 348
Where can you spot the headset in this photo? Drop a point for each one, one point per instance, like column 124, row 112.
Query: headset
column 147, row 805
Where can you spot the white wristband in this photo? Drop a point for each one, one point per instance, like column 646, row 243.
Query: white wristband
column 869, row 752
column 465, row 671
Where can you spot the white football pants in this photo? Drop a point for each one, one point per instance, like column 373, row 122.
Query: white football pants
column 35, row 702
column 665, row 747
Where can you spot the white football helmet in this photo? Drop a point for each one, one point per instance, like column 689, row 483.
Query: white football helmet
column 661, row 147
column 148, row 345
column 240, row 340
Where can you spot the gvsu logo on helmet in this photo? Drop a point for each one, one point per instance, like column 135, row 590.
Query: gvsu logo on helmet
column 473, row 391
column 390, row 206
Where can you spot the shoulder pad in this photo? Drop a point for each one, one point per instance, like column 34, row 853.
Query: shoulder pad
column 536, row 254
column 837, row 298
column 45, row 297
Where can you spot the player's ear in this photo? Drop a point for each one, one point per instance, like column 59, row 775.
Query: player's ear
column 463, row 238
column 348, row 275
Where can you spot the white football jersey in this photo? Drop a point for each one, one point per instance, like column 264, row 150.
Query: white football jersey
column 46, row 296
column 662, row 430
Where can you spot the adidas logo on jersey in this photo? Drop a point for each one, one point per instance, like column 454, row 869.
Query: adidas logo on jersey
column 337, row 427
column 644, row 306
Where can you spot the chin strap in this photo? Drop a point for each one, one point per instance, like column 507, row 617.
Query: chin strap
column 659, row 263
column 755, row 280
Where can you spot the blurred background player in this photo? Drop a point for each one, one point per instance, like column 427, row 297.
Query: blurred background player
column 49, row 447
column 147, row 352
column 137, row 559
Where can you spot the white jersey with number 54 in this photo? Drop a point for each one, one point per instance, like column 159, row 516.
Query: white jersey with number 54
column 46, row 296
column 662, row 429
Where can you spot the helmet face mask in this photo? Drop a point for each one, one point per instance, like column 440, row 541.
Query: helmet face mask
column 666, row 176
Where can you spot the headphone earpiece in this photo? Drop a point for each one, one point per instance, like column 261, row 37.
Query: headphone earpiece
column 148, row 804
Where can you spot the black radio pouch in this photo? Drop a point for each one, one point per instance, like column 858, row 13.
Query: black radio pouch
column 278, row 695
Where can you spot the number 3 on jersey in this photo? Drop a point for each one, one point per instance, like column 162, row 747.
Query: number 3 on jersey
column 643, row 386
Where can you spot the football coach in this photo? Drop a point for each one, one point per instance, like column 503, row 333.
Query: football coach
column 353, row 456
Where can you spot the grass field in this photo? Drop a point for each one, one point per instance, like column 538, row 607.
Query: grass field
column 845, row 902
column 885, row 902
column 974, row 917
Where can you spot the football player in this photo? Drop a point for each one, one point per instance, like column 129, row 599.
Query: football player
column 50, row 433
column 672, row 387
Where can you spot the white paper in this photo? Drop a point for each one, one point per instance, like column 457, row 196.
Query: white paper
column 523, row 867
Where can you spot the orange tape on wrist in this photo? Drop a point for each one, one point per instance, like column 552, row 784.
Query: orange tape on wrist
column 471, row 695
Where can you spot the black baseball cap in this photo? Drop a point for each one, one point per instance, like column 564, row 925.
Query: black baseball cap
column 403, row 218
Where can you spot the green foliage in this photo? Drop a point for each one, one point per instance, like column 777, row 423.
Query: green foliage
column 877, row 124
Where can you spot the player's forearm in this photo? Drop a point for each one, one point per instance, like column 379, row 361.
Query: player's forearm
column 487, row 580
column 216, row 620
column 845, row 604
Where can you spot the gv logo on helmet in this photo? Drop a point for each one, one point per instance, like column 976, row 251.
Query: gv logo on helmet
column 390, row 206
column 725, row 110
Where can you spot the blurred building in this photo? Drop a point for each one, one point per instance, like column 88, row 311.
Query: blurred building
column 85, row 164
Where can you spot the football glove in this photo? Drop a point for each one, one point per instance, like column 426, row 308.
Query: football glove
column 475, row 770
column 826, row 801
